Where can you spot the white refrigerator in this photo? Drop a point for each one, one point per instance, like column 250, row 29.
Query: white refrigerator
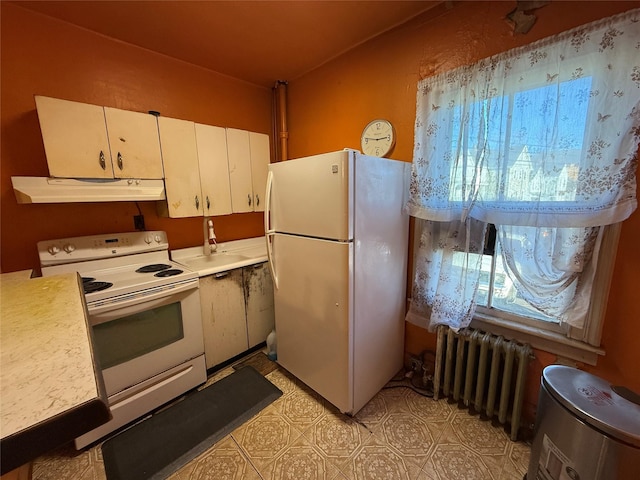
column 337, row 242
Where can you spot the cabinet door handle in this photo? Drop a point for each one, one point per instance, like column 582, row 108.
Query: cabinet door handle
column 257, row 200
column 208, row 203
column 249, row 199
column 197, row 203
column 102, row 160
column 220, row 275
column 120, row 162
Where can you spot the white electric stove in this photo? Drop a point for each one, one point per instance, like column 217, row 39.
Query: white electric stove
column 144, row 311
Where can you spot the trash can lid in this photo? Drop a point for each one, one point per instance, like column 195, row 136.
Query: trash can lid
column 595, row 402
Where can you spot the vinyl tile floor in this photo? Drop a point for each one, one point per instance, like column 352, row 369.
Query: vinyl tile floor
column 400, row 434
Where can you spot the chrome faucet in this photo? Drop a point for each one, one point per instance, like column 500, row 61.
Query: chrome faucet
column 210, row 244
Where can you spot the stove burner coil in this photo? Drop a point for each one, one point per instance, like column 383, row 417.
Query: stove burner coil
column 154, row 267
column 168, row 273
column 91, row 287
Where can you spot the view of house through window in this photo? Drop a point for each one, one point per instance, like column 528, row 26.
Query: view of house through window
column 533, row 172
column 540, row 158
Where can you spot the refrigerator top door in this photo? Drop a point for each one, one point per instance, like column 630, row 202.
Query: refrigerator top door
column 312, row 196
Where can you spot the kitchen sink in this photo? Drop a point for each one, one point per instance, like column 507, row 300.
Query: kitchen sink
column 224, row 260
column 229, row 255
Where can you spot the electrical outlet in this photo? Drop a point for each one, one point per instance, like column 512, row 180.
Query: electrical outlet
column 138, row 222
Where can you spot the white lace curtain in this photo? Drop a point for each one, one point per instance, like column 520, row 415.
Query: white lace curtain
column 540, row 141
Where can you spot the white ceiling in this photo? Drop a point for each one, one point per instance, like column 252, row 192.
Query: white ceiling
column 256, row 41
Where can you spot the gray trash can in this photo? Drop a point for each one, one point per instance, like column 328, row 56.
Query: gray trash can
column 585, row 429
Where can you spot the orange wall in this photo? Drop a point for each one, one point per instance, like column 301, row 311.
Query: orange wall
column 48, row 57
column 329, row 107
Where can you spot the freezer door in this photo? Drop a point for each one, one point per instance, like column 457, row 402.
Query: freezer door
column 312, row 196
column 314, row 314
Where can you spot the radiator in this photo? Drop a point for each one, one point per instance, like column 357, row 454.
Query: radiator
column 482, row 371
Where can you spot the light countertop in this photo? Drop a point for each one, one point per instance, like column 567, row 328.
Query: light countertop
column 47, row 372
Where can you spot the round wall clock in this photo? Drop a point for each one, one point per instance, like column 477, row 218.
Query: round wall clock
column 378, row 138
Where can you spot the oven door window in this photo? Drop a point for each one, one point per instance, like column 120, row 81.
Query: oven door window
column 127, row 338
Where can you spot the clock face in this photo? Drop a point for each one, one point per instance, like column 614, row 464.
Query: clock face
column 378, row 138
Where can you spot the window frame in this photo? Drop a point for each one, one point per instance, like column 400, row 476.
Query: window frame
column 572, row 344
column 567, row 341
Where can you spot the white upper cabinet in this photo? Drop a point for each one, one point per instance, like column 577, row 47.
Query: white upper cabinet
column 249, row 156
column 260, row 157
column 214, row 169
column 239, row 153
column 75, row 138
column 134, row 144
column 89, row 141
column 181, row 170
column 196, row 168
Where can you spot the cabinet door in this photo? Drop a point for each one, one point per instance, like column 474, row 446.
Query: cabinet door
column 239, row 154
column 223, row 316
column 258, row 294
column 214, row 169
column 134, row 143
column 75, row 138
column 260, row 157
column 181, row 171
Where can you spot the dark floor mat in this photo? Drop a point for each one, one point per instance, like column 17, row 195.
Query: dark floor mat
column 160, row 445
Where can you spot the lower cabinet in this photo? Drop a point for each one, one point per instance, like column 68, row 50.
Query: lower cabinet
column 237, row 311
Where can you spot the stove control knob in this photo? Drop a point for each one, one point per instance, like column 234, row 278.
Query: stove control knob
column 69, row 247
column 148, row 239
column 158, row 239
column 53, row 250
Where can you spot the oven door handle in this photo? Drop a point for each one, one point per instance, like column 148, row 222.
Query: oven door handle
column 157, row 297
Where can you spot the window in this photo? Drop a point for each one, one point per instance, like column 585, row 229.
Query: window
column 522, row 164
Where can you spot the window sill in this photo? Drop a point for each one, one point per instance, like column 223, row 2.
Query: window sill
column 551, row 342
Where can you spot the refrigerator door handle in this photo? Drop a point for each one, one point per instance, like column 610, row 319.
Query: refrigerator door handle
column 269, row 234
column 274, row 276
column 267, row 206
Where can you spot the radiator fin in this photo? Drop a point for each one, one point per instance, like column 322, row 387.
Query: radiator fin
column 482, row 371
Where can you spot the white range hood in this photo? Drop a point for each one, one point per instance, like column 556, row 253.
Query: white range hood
column 66, row 190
